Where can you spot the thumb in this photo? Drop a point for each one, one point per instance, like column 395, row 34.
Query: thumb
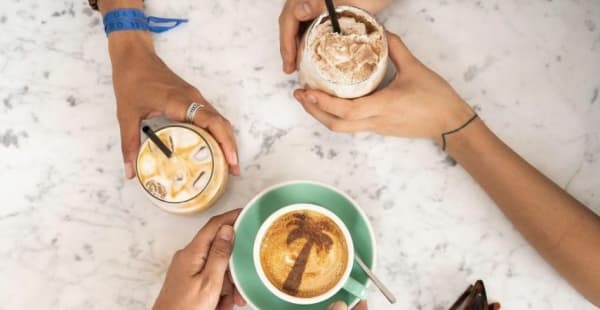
column 130, row 141
column 338, row 305
column 309, row 9
column 399, row 53
column 362, row 305
column 218, row 256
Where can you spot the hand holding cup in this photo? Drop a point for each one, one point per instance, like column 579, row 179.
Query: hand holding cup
column 418, row 103
column 295, row 12
column 198, row 277
column 146, row 87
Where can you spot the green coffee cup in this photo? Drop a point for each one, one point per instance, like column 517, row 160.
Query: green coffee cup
column 242, row 266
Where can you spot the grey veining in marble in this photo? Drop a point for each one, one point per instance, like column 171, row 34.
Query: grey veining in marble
column 75, row 235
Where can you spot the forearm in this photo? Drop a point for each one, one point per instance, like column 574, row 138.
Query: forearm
column 122, row 44
column 564, row 232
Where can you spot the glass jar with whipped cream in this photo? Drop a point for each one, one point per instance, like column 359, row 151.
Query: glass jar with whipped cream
column 349, row 64
column 189, row 181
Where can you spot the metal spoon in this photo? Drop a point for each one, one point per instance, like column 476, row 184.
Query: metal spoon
column 384, row 290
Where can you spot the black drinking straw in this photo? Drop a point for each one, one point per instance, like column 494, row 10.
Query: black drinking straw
column 163, row 148
column 333, row 16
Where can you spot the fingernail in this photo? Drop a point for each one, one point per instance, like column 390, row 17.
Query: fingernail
column 338, row 305
column 306, row 8
column 288, row 67
column 234, row 158
column 311, row 98
column 225, row 233
column 298, row 95
column 129, row 173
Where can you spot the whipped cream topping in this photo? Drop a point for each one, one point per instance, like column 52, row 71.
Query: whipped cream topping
column 348, row 57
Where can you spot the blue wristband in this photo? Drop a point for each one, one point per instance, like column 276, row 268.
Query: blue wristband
column 134, row 19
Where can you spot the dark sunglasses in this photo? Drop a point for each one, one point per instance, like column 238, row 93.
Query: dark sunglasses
column 474, row 298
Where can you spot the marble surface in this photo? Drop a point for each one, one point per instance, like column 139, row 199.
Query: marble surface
column 75, row 235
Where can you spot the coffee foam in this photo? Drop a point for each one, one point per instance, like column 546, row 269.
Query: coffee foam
column 282, row 247
column 348, row 57
column 185, row 174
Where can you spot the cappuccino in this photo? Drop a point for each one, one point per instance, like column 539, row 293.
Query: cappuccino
column 304, row 253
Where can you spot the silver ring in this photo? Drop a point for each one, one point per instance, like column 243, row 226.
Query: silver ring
column 192, row 110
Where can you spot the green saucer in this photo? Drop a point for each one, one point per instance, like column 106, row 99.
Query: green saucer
column 268, row 201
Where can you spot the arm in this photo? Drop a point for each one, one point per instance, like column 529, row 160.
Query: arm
column 145, row 87
column 420, row 104
column 562, row 230
column 296, row 11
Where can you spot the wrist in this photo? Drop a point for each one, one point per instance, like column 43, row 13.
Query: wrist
column 463, row 141
column 125, row 45
column 122, row 42
column 106, row 6
column 452, row 119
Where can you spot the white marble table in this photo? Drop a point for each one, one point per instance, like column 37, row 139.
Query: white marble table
column 75, row 235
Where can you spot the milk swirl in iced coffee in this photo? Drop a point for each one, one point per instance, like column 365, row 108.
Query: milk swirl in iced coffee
column 349, row 64
column 192, row 179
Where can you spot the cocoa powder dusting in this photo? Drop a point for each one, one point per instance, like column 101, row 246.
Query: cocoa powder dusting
column 294, row 278
column 314, row 233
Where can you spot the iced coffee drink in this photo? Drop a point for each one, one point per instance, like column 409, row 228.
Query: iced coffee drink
column 349, row 64
column 192, row 179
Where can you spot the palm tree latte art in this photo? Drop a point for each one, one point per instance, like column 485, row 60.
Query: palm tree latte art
column 314, row 234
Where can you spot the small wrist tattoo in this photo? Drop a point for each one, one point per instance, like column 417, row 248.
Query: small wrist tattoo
column 456, row 130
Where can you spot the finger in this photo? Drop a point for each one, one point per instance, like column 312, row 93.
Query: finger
column 334, row 123
column 178, row 103
column 308, row 9
column 362, row 305
column 197, row 249
column 227, row 289
column 293, row 13
column 226, row 303
column 221, row 129
column 342, row 108
column 129, row 123
column 338, row 305
column 234, row 169
column 237, row 298
column 208, row 118
column 218, row 256
column 399, row 53
column 226, row 300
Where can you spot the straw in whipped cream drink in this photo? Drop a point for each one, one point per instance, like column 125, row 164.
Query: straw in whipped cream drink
column 349, row 64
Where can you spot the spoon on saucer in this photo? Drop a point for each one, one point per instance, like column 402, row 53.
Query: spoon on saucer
column 384, row 290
